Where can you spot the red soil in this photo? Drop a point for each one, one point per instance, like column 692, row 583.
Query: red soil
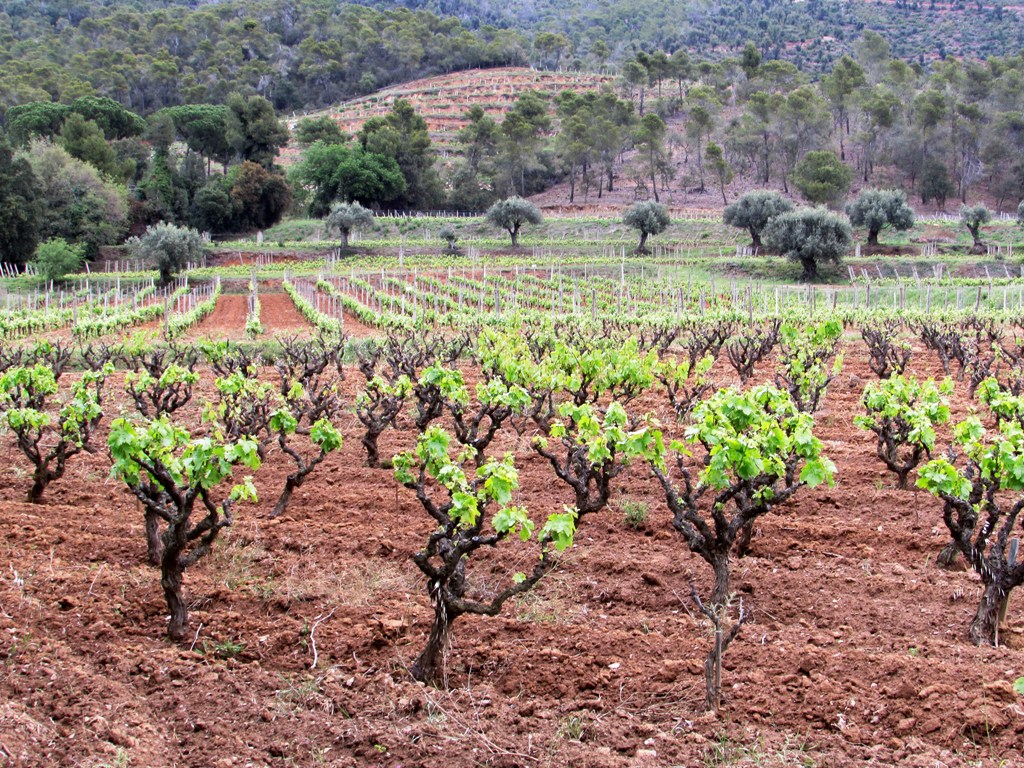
column 856, row 653
column 279, row 315
column 227, row 321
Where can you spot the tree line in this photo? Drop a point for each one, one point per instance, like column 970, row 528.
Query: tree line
column 303, row 54
column 299, row 54
column 951, row 130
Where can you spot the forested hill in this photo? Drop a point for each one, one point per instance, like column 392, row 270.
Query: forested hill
column 811, row 34
column 300, row 54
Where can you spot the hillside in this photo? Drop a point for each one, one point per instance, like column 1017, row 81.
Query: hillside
column 444, row 100
column 302, row 54
column 812, row 34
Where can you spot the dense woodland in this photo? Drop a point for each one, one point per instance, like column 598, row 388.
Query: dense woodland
column 300, row 54
column 811, row 34
column 296, row 53
column 101, row 145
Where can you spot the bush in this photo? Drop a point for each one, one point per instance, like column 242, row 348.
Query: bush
column 169, row 471
column 758, row 451
column 57, row 257
column 462, row 530
column 982, row 489
column 169, row 247
column 903, row 414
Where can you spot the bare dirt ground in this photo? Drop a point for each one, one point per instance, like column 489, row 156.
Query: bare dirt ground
column 279, row 315
column 227, row 321
column 856, row 654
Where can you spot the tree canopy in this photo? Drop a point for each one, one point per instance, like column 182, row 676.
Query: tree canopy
column 810, row 236
column 649, row 218
column 510, row 214
column 876, row 209
column 754, row 210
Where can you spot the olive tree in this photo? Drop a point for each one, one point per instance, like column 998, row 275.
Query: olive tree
column 809, row 236
column 973, row 216
column 649, row 218
column 1020, row 213
column 754, row 210
column 510, row 214
column 170, row 247
column 347, row 217
column 450, row 237
column 876, row 209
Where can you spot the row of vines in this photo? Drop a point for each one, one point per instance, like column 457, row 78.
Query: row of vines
column 593, row 398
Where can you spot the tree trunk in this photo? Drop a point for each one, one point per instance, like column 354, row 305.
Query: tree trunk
column 642, row 248
column 810, row 269
column 290, row 485
column 700, row 164
column 873, row 237
column 948, row 556
column 428, row 666
column 171, row 582
column 713, row 672
column 755, row 239
column 344, row 238
column 985, row 627
column 369, row 442
column 39, row 483
column 654, row 178
column 743, row 540
column 514, row 232
column 720, row 592
column 154, row 543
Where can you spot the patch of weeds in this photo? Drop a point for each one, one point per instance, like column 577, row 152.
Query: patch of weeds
column 303, row 693
column 121, row 760
column 727, row 751
column 572, row 728
column 236, row 565
column 435, row 715
column 359, row 585
column 225, row 649
column 634, row 512
column 554, row 600
column 532, row 608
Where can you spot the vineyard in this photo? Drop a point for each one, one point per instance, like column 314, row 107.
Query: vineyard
column 556, row 507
